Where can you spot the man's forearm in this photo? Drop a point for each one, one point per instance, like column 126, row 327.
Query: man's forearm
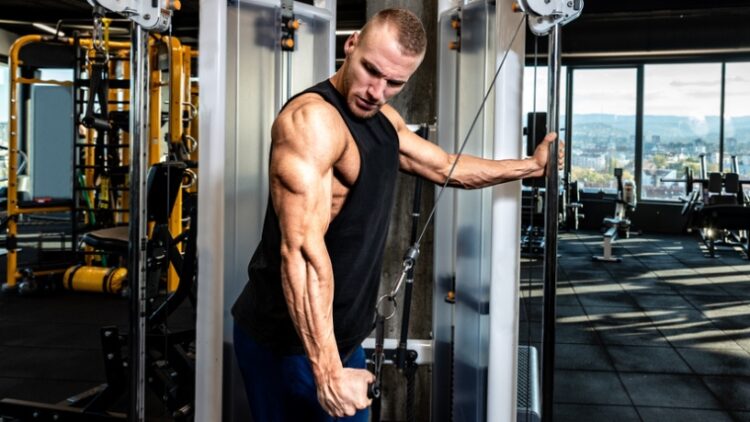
column 308, row 288
column 474, row 172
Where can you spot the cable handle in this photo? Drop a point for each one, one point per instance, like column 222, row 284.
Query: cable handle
column 410, row 258
column 378, row 357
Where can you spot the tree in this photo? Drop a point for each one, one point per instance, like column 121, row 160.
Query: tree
column 659, row 160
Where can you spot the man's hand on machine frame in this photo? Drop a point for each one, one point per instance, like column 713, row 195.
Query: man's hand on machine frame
column 345, row 392
column 542, row 151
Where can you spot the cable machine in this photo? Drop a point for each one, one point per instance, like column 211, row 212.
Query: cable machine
column 248, row 68
column 144, row 220
column 476, row 239
column 20, row 276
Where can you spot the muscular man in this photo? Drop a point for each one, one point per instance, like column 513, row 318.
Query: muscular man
column 313, row 280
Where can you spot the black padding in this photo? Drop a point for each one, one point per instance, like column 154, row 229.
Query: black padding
column 723, row 216
column 163, row 184
column 732, row 183
column 714, row 182
column 114, row 239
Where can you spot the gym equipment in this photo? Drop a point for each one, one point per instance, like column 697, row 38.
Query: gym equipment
column 719, row 211
column 94, row 279
column 477, row 225
column 157, row 356
column 722, row 225
column 16, row 208
column 721, row 217
column 534, row 192
column 100, row 191
column 573, row 206
column 170, row 358
column 619, row 225
column 404, row 358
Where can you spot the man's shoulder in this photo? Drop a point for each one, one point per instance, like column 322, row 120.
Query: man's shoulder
column 393, row 116
column 308, row 119
column 309, row 103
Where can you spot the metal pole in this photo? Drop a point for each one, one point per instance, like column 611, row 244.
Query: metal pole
column 721, row 115
column 405, row 315
column 550, row 227
column 137, row 228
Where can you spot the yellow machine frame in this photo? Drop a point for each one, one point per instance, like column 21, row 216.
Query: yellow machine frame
column 182, row 98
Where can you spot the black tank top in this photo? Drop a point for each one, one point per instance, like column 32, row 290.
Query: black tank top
column 355, row 241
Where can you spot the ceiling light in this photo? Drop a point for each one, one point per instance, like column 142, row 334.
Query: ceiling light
column 345, row 32
column 47, row 28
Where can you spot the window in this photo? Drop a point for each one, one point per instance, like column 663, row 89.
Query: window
column 4, row 101
column 541, row 94
column 603, row 126
column 737, row 118
column 4, row 119
column 47, row 74
column 682, row 105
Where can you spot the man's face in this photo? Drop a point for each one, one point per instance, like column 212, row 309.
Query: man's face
column 376, row 70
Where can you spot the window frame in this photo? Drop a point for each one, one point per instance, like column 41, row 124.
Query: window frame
column 570, row 141
column 573, row 63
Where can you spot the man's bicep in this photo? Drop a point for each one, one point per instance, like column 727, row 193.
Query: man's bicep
column 421, row 157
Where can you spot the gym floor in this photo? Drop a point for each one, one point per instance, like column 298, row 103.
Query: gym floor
column 50, row 346
column 662, row 336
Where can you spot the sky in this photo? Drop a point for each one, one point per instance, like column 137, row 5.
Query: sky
column 671, row 89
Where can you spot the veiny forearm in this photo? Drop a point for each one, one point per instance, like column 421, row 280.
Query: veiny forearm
column 474, row 172
column 307, row 280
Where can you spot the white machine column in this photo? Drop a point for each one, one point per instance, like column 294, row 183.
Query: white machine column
column 477, row 232
column 506, row 217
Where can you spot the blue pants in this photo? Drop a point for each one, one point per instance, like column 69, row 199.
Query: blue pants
column 282, row 388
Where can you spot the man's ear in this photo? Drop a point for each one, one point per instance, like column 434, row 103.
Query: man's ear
column 350, row 43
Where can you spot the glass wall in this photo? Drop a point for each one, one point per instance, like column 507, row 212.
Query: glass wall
column 535, row 81
column 603, row 126
column 681, row 122
column 4, row 118
column 4, row 100
column 682, row 105
column 737, row 118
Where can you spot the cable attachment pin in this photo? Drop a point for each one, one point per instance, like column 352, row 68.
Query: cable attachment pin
column 411, row 255
column 410, row 258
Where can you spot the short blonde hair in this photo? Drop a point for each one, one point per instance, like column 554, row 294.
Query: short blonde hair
column 411, row 34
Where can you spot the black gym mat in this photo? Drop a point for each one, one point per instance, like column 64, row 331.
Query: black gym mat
column 663, row 335
column 50, row 345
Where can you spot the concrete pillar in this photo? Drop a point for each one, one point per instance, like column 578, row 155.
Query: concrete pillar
column 416, row 103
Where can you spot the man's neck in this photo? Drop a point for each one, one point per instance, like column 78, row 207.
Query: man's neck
column 337, row 80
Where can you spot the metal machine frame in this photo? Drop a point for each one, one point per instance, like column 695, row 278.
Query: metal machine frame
column 482, row 270
column 244, row 75
column 143, row 126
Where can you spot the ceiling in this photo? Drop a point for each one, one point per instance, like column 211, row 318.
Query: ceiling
column 351, row 13
column 18, row 15
column 634, row 6
column 651, row 30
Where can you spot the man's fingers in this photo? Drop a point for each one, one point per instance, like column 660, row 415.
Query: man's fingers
column 350, row 411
